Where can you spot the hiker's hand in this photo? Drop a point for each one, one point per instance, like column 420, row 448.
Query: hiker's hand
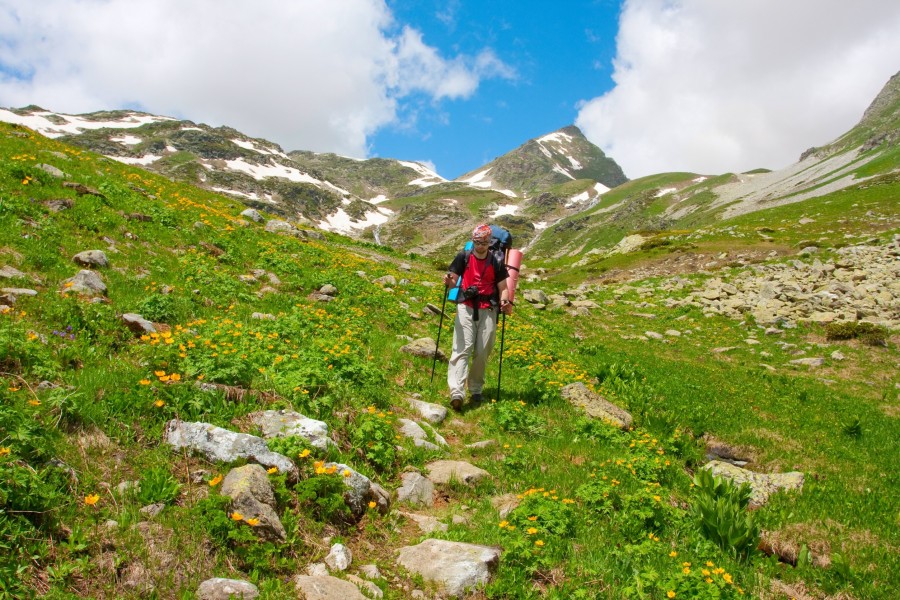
column 506, row 307
column 448, row 280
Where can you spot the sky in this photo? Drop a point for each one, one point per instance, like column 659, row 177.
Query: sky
column 706, row 86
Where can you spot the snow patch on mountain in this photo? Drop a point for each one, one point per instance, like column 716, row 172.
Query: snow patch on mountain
column 428, row 177
column 42, row 123
column 505, row 209
column 248, row 145
column 128, row 140
column 147, row 159
column 341, row 222
column 251, row 196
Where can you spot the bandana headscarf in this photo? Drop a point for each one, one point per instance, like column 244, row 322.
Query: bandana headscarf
column 482, row 233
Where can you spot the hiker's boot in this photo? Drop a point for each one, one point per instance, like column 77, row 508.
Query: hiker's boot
column 456, row 403
column 477, row 398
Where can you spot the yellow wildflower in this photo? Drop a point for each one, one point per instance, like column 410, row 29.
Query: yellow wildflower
column 531, row 530
column 144, row 382
column 4, row 451
column 373, row 504
column 236, row 516
column 91, row 499
column 215, row 480
column 272, row 470
column 159, row 404
column 304, row 454
column 253, row 522
column 539, row 543
column 670, row 594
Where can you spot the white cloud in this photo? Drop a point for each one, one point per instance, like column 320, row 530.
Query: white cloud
column 712, row 87
column 309, row 74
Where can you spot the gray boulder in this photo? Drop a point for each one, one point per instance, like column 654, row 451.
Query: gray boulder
column 596, row 406
column 222, row 445
column 441, row 472
column 433, row 413
column 8, row 272
column 415, row 490
column 283, row 423
column 253, row 215
column 454, row 566
column 762, row 484
column 424, row 348
column 138, row 324
column 414, row 431
column 252, row 496
column 387, row 280
column 536, row 297
column 278, row 226
column 339, row 558
column 218, row 588
column 84, row 282
column 326, row 588
column 91, row 258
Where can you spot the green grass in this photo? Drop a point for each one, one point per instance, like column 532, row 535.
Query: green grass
column 611, row 508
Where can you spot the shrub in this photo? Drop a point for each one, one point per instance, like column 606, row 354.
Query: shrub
column 158, row 485
column 868, row 333
column 719, row 510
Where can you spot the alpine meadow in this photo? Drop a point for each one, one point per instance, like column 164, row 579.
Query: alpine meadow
column 216, row 358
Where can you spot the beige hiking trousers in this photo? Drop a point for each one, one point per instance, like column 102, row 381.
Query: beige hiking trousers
column 471, row 339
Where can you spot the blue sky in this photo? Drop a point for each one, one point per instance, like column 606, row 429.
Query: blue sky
column 707, row 86
column 560, row 53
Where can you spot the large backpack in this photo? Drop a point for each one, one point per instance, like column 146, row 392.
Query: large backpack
column 501, row 239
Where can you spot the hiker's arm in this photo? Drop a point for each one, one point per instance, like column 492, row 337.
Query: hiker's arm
column 505, row 304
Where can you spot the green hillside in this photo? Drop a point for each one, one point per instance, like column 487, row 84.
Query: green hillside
column 95, row 504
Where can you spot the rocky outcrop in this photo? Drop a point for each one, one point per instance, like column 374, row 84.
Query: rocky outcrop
column 254, row 500
column 762, row 484
column 282, row 423
column 595, row 405
column 861, row 283
column 223, row 445
column 455, row 567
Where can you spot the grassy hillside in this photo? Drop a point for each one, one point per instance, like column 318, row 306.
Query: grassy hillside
column 603, row 513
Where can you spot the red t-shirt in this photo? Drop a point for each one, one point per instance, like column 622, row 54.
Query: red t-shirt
column 482, row 273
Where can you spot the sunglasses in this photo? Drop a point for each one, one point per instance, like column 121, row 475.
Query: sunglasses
column 481, row 243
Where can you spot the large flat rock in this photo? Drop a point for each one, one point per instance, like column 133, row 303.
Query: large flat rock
column 454, row 566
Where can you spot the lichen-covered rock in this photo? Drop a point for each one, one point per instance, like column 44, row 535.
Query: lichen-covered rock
column 415, row 490
column 424, row 348
column 762, row 484
column 283, row 423
column 84, row 282
column 219, row 588
column 454, row 566
column 441, row 472
column 91, row 258
column 595, row 406
column 326, row 588
column 218, row 444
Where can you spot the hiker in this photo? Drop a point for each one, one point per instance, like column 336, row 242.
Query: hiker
column 482, row 291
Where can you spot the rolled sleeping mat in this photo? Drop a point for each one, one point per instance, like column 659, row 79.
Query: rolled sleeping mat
column 513, row 264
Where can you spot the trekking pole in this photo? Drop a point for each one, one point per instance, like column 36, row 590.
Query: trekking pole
column 500, row 371
column 437, row 344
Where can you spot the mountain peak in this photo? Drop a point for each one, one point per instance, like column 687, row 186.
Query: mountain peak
column 552, row 159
